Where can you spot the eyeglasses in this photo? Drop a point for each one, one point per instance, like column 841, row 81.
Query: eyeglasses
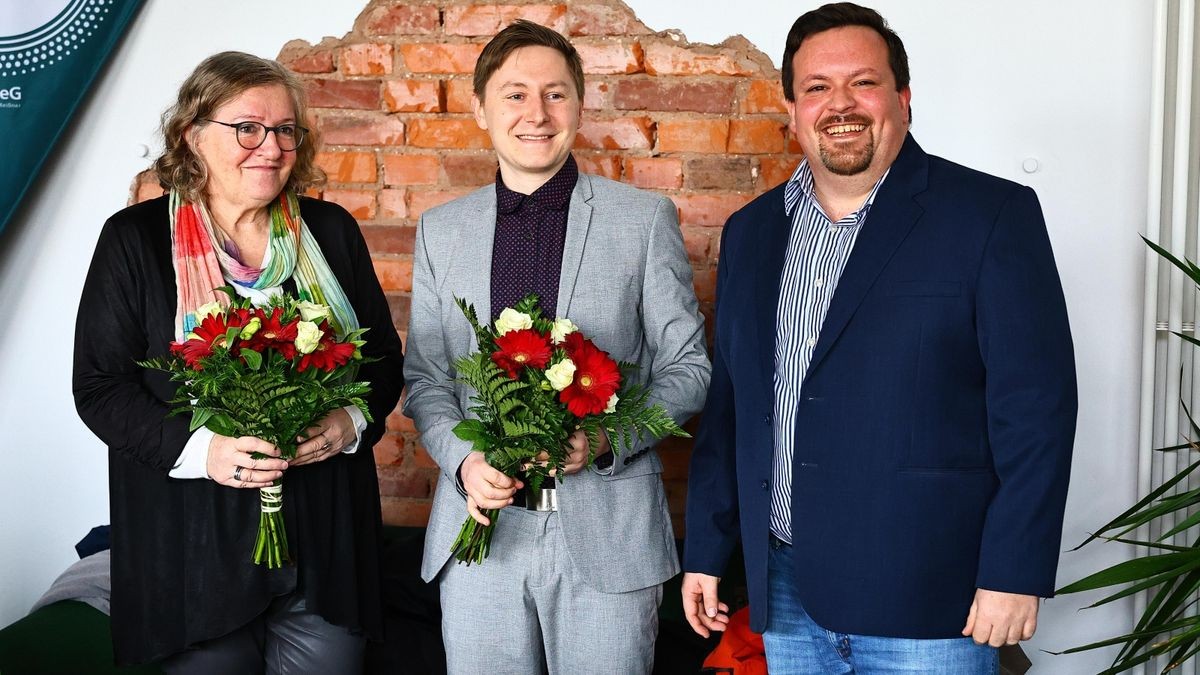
column 251, row 135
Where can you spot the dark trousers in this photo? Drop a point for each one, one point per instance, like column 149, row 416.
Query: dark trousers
column 286, row 639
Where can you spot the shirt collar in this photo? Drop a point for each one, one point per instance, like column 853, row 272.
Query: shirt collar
column 554, row 194
column 800, row 188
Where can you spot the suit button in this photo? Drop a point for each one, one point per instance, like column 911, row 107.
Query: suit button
column 766, row 419
column 765, row 485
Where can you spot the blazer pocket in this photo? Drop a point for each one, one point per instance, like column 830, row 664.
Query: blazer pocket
column 929, row 289
column 642, row 465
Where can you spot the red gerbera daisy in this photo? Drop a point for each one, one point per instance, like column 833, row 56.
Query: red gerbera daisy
column 208, row 335
column 520, row 348
column 597, row 378
column 275, row 335
column 329, row 353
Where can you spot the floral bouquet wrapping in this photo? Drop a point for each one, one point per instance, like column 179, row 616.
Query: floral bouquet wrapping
column 536, row 382
column 269, row 372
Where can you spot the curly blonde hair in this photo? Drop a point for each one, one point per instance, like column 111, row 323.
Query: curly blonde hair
column 217, row 80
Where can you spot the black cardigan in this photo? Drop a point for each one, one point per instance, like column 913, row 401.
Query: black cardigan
column 181, row 549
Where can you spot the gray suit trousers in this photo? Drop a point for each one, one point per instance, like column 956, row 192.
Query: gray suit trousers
column 526, row 610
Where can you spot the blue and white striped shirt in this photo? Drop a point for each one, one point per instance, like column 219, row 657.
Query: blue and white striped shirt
column 816, row 254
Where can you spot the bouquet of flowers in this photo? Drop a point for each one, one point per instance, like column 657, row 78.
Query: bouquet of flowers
column 269, row 372
column 536, row 382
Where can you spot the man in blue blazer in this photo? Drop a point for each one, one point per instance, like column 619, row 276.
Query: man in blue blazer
column 889, row 426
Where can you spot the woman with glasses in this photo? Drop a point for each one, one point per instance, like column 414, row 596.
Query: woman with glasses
column 184, row 505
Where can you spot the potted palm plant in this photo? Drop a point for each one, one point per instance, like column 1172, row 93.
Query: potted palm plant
column 1169, row 626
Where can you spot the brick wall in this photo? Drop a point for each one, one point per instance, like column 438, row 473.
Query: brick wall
column 701, row 124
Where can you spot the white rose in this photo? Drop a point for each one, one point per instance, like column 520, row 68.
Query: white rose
column 511, row 319
column 311, row 311
column 307, row 337
column 206, row 309
column 561, row 374
column 612, row 404
column 562, row 328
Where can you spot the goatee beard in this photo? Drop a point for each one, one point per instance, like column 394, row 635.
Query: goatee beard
column 847, row 162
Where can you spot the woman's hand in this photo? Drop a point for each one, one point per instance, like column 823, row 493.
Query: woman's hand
column 326, row 438
column 229, row 462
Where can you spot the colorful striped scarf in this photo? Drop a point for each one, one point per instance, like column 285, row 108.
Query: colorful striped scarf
column 204, row 260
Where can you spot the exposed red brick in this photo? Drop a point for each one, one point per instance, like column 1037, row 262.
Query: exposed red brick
column 595, row 94
column 698, row 243
column 395, row 274
column 459, row 91
column 366, row 59
column 427, row 57
column 400, row 303
column 402, row 19
column 719, row 173
column 662, row 58
column 603, row 19
column 410, row 169
column 360, row 203
column 463, row 134
column 147, row 190
column 301, row 57
column 763, row 96
column 357, row 94
column 398, row 421
column 756, row 136
column 622, row 133
column 389, row 450
column 693, row 135
column 404, row 512
column 476, row 20
column 422, row 459
column 393, row 205
column 389, row 239
column 608, row 58
column 420, row 201
column 661, row 173
column 705, row 283
column 348, row 167
column 708, row 210
column 599, row 165
column 674, row 95
column 775, row 170
column 469, row 170
column 412, row 95
column 341, row 129
column 411, row 482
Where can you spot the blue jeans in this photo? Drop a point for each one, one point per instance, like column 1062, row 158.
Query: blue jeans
column 796, row 645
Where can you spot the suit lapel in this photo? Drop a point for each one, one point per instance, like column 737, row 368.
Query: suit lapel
column 579, row 219
column 889, row 221
column 774, row 242
column 478, row 236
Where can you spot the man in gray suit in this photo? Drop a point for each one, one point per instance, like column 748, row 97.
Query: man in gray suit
column 573, row 588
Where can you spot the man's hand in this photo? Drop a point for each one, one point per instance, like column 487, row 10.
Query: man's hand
column 577, row 458
column 1001, row 619
column 486, row 487
column 701, row 607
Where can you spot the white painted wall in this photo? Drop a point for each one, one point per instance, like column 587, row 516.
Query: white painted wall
column 994, row 83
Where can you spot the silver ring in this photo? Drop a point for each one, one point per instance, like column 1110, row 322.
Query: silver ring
column 326, row 446
column 237, row 473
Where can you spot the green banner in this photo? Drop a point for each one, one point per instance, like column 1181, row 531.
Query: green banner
column 50, row 53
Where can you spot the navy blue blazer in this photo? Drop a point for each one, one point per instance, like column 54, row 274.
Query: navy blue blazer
column 935, row 423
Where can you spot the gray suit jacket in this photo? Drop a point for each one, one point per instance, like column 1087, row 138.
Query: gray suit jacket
column 627, row 284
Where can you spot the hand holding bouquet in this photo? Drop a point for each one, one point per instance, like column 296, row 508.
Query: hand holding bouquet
column 536, row 382
column 266, row 372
